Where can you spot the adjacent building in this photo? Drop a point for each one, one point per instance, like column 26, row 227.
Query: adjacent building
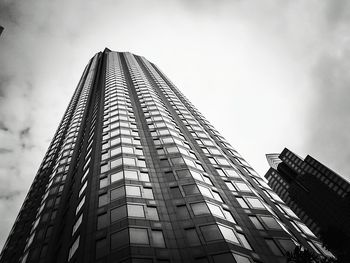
column 135, row 173
column 319, row 196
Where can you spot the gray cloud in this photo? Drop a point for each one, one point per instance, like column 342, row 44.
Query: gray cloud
column 279, row 69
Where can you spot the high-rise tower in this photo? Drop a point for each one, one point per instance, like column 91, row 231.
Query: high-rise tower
column 135, row 173
column 319, row 196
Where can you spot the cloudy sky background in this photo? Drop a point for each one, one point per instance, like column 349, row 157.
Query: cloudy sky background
column 266, row 74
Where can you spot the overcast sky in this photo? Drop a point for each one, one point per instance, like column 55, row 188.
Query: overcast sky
column 266, row 74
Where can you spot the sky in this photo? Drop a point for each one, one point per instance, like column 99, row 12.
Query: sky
column 267, row 74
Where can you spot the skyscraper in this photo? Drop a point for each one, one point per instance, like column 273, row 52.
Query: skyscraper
column 319, row 196
column 135, row 173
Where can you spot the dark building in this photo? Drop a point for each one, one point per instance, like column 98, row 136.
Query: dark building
column 319, row 196
column 135, row 173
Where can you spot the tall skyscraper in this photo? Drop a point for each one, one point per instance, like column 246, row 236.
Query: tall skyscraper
column 319, row 196
column 135, row 173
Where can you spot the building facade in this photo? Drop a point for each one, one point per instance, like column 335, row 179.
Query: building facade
column 135, row 173
column 319, row 196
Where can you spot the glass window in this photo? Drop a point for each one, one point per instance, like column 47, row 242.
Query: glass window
column 229, row 216
column 116, row 163
column 270, row 222
column 205, row 191
column 102, row 221
column 190, row 189
column 232, row 173
column 77, row 224
column 81, row 203
column 227, row 257
column 129, row 161
column 241, row 202
column 211, row 232
column 136, row 211
column 228, row 234
column 215, row 210
column 116, row 176
column 152, row 213
column 133, row 190
column 217, row 196
column 117, row 193
column 138, row 236
column 256, row 222
column 130, row 175
column 244, row 241
column 242, row 187
column 200, row 208
column 148, row 193
column 120, row 239
column 272, row 245
column 183, row 173
column 175, row 192
column 182, row 212
column 287, row 244
column 101, row 248
column 157, row 238
column 116, row 151
column 241, row 259
column 144, row 177
column 305, row 229
column 118, row 213
column 255, row 203
column 103, row 182
column 73, row 248
column 192, row 237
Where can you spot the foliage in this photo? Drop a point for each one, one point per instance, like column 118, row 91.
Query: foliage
column 301, row 255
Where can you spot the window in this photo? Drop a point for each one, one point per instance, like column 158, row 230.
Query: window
column 182, row 212
column 175, row 192
column 205, row 191
column 230, row 186
column 138, row 236
column 274, row 248
column 256, row 222
column 190, row 189
column 148, row 193
column 118, row 213
column 242, row 202
column 227, row 257
column 102, row 221
column 228, row 234
column 117, row 193
column 136, row 210
column 243, row 187
column 101, row 248
column 305, row 229
column 192, row 237
column 73, row 248
column 83, row 188
column 270, row 222
column 152, row 213
column 255, row 203
column 102, row 200
column 120, row 238
column 287, row 244
column 200, row 208
column 157, row 238
column 244, row 241
column 103, row 182
column 130, row 175
column 241, row 259
column 81, row 203
column 116, row 176
column 215, row 210
column 211, row 232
